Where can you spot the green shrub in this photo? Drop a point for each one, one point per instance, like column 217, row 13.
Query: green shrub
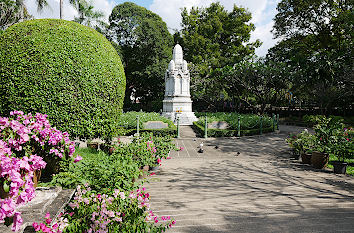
column 227, row 132
column 249, row 124
column 101, row 171
column 128, row 122
column 67, row 70
column 247, row 121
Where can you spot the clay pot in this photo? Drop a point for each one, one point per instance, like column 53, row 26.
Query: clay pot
column 319, row 160
column 93, row 145
column 339, row 167
column 36, row 176
column 306, row 158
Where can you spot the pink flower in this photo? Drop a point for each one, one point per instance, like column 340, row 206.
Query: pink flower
column 36, row 226
column 181, row 148
column 48, row 220
column 168, row 158
column 152, row 173
column 17, row 222
column 47, row 215
column 77, row 159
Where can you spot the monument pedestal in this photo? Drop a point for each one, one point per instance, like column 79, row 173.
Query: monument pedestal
column 177, row 102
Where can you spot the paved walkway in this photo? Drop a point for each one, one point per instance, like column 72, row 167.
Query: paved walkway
column 250, row 185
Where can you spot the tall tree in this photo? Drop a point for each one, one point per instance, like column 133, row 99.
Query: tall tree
column 213, row 38
column 318, row 41
column 256, row 83
column 145, row 44
column 13, row 11
column 87, row 16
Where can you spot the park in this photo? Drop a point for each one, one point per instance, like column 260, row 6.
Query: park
column 123, row 124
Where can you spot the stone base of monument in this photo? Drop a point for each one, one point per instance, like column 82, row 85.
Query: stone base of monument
column 185, row 118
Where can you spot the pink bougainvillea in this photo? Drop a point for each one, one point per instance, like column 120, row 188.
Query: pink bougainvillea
column 94, row 212
column 24, row 141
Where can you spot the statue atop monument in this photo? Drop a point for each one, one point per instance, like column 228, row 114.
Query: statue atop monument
column 177, row 102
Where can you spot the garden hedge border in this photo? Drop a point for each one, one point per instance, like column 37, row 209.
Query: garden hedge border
column 155, row 132
column 227, row 133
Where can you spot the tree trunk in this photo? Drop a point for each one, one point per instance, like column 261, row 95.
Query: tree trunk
column 61, row 9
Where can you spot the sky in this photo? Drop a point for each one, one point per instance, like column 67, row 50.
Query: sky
column 263, row 12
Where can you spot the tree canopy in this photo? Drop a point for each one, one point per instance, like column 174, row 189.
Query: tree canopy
column 213, row 38
column 145, row 44
column 318, row 45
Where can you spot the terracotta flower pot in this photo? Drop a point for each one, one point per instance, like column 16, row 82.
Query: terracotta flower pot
column 36, row 176
column 340, row 167
column 93, row 145
column 306, row 158
column 319, row 160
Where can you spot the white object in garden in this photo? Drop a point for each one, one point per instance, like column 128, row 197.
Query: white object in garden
column 177, row 102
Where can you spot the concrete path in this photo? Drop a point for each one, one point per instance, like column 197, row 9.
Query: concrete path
column 249, row 185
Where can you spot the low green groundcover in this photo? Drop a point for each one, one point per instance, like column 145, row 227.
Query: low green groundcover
column 128, row 122
column 250, row 124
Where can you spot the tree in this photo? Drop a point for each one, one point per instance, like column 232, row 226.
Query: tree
column 256, row 83
column 213, row 38
column 318, row 43
column 87, row 15
column 145, row 44
column 12, row 12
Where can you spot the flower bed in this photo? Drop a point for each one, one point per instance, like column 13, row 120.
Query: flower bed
column 128, row 122
column 113, row 199
column 249, row 124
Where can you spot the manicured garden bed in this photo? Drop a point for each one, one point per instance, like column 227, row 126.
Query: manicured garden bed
column 250, row 124
column 128, row 123
column 109, row 194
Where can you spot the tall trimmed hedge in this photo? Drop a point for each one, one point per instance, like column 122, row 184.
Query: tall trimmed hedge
column 63, row 69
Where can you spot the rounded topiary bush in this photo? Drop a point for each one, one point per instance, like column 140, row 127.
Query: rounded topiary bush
column 63, row 69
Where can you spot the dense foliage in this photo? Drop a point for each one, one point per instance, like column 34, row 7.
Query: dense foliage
column 331, row 136
column 317, row 46
column 249, row 124
column 128, row 123
column 256, row 84
column 112, row 198
column 142, row 38
column 212, row 38
column 67, row 70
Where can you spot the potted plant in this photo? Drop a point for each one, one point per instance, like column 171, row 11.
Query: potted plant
column 291, row 140
column 303, row 146
column 324, row 131
column 343, row 148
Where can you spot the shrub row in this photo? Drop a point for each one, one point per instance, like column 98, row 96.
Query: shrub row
column 200, row 130
column 247, row 121
column 128, row 124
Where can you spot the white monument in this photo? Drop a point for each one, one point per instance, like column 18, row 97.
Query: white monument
column 177, row 102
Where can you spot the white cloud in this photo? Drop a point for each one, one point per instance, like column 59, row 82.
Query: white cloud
column 262, row 13
column 264, row 34
column 69, row 12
